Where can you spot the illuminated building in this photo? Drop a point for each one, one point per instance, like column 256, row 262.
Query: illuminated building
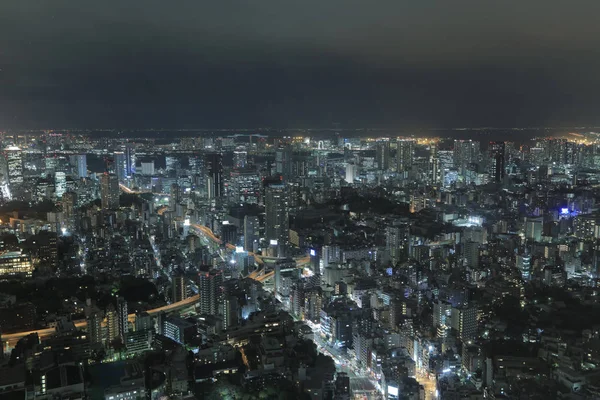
column 60, row 183
column 496, row 154
column 283, row 162
column 209, row 288
column 251, row 233
column 351, row 172
column 276, row 214
column 179, row 288
column 240, row 158
column 109, row 191
column 214, row 166
column 382, row 156
column 120, row 166
column 404, row 155
column 148, row 168
column 466, row 153
column 79, row 163
column 245, row 187
column 14, row 166
column 14, row 264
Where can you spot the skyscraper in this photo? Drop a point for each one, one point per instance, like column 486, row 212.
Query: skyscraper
column 214, row 166
column 60, row 183
column 276, row 214
column 283, row 162
column 466, row 153
column 210, row 290
column 129, row 160
column 397, row 237
column 251, row 232
column 120, row 166
column 112, row 323
column 404, row 155
column 123, row 319
column 79, row 163
column 69, row 202
column 179, row 288
column 14, row 166
column 496, row 153
column 109, row 191
column 382, row 156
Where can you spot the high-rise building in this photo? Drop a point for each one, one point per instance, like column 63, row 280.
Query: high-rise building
column 109, row 191
column 404, row 155
column 210, row 290
column 178, row 287
column 496, row 154
column 69, row 202
column 351, row 172
column 14, row 167
column 120, row 166
column 464, row 321
column 251, row 233
column 466, row 153
column 471, row 254
column 276, row 214
column 240, row 158
column 229, row 311
column 129, row 159
column 112, row 323
column 79, row 163
column 524, row 266
column 148, row 168
column 382, row 156
column 214, row 167
column 123, row 319
column 397, row 237
column 283, row 162
column 94, row 326
column 60, row 183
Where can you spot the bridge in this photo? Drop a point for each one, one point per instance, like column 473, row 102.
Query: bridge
column 11, row 339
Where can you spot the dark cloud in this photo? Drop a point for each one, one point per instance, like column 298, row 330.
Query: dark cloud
column 291, row 64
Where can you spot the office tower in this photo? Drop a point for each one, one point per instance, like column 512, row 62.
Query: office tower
column 178, row 287
column 276, row 214
column 404, row 155
column 175, row 197
column 109, row 191
column 240, row 158
column 148, row 168
column 524, row 265
column 351, row 172
column 496, row 154
column 464, row 321
column 123, row 319
column 229, row 234
column 112, row 323
column 283, row 162
column 533, row 228
column 60, row 183
column 471, row 254
column 210, row 290
column 466, row 153
column 214, row 167
column 14, row 166
column 171, row 163
column 79, row 163
column 382, row 156
column 120, row 166
column 396, row 238
column 129, row 160
column 69, row 203
column 251, row 233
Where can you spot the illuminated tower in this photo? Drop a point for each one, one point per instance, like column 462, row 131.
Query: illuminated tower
column 209, row 288
column 109, row 191
column 276, row 214
column 382, row 156
column 79, row 163
column 123, row 321
column 14, row 166
column 120, row 166
column 404, row 155
column 214, row 166
column 496, row 154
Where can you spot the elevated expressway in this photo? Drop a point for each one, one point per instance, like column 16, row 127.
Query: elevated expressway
column 11, row 339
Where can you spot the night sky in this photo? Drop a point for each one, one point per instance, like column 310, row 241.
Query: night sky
column 209, row 64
